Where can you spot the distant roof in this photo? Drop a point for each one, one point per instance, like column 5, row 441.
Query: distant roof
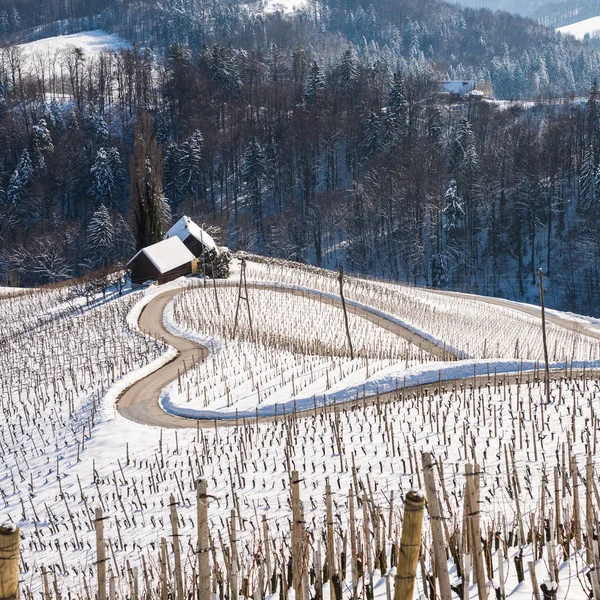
column 166, row 255
column 185, row 227
column 458, row 86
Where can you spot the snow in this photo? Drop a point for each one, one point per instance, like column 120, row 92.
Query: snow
column 91, row 42
column 458, row 87
column 65, row 452
column 185, row 227
column 582, row 28
column 285, row 7
column 167, row 254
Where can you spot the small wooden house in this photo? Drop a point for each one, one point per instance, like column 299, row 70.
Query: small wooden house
column 163, row 261
column 196, row 240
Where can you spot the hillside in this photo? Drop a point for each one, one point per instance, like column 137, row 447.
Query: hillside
column 281, row 396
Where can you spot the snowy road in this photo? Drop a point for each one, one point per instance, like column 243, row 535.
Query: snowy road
column 140, row 402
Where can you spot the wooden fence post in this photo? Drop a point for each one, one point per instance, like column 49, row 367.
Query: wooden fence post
column 100, row 554
column 176, row 546
column 297, row 537
column 10, row 540
column 203, row 548
column 435, row 514
column 410, row 546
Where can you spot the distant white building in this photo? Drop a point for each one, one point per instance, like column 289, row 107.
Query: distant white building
column 457, row 88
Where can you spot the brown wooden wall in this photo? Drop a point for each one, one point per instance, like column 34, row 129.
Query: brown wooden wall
column 143, row 269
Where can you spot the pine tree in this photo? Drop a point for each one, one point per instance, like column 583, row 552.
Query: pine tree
column 588, row 184
column 101, row 237
column 40, row 144
column 108, row 237
column 107, row 174
column 254, row 171
column 172, row 168
column 453, row 210
column 348, row 69
column 373, row 134
column 20, row 178
column 190, row 164
column 315, row 86
column 398, row 105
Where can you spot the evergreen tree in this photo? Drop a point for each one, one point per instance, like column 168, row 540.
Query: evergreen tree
column 254, row 171
column 107, row 173
column 373, row 134
column 40, row 144
column 315, row 85
column 588, row 184
column 190, row 165
column 108, row 237
column 20, row 178
column 397, row 104
column 453, row 209
column 348, row 69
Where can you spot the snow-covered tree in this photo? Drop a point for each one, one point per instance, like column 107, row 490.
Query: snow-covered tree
column 20, row 178
column 254, row 170
column 108, row 237
column 588, row 179
column 315, row 84
column 41, row 144
column 107, row 176
column 348, row 69
column 190, row 164
column 453, row 210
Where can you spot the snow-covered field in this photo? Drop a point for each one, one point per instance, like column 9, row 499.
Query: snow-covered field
column 285, row 7
column 53, row 56
column 64, row 450
column 582, row 28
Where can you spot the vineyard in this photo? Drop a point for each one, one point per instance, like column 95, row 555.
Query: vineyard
column 294, row 480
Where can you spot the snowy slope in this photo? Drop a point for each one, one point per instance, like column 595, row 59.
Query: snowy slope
column 49, row 53
column 582, row 28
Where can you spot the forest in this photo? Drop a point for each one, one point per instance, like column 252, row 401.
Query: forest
column 319, row 137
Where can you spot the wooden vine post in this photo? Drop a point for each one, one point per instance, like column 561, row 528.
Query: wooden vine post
column 410, row 546
column 100, row 554
column 176, row 546
column 203, row 541
column 547, row 369
column 297, row 537
column 345, row 313
column 10, row 540
column 435, row 515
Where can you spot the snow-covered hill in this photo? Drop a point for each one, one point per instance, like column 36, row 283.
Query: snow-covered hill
column 49, row 53
column 582, row 28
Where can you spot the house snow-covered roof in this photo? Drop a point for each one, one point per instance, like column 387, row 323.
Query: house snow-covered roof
column 458, row 87
column 166, row 255
column 185, row 227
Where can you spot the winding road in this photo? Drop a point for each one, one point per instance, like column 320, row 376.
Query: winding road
column 140, row 402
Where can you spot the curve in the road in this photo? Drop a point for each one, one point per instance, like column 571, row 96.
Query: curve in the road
column 140, row 402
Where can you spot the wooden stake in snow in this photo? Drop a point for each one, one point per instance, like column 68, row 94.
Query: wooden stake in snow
column 297, row 537
column 10, row 539
column 410, row 546
column 547, row 369
column 100, row 555
column 345, row 312
column 203, row 541
column 435, row 514
column 176, row 546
